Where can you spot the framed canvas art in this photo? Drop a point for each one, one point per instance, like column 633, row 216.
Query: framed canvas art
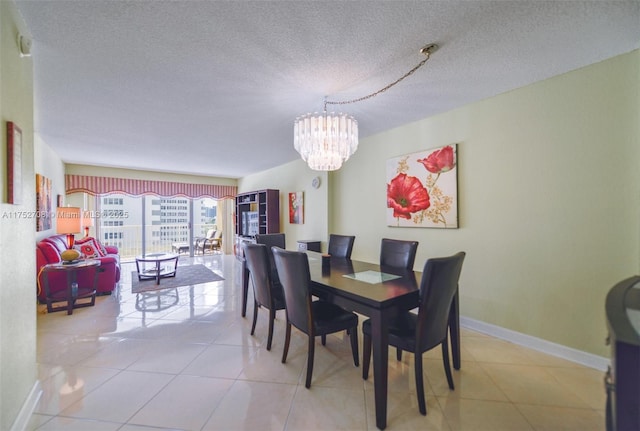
column 296, row 208
column 14, row 164
column 422, row 189
column 43, row 203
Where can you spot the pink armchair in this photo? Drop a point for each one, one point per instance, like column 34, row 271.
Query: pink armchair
column 48, row 251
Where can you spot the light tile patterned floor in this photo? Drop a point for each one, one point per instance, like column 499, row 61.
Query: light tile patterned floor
column 194, row 366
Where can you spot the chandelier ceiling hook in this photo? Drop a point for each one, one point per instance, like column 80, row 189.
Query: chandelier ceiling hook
column 429, row 49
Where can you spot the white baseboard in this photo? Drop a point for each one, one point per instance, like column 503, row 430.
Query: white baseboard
column 29, row 406
column 568, row 353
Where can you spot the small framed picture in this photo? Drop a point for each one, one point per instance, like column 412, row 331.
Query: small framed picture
column 296, row 208
column 60, row 200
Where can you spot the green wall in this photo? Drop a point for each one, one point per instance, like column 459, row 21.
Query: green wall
column 548, row 193
column 548, row 198
column 18, row 374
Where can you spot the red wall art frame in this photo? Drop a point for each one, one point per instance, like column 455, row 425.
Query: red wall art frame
column 422, row 189
column 14, row 164
column 296, row 208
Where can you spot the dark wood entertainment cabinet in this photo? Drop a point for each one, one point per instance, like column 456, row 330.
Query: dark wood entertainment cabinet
column 622, row 381
column 257, row 212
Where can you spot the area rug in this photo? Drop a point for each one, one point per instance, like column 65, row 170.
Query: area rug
column 185, row 276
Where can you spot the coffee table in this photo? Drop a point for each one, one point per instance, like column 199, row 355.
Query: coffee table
column 156, row 270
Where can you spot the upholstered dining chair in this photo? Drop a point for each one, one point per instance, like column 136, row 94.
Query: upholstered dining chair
column 314, row 318
column 272, row 240
column 396, row 253
column 429, row 328
column 341, row 245
column 265, row 293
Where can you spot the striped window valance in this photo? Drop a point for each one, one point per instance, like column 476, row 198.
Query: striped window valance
column 132, row 187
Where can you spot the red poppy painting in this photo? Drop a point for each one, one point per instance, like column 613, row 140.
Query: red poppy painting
column 422, row 189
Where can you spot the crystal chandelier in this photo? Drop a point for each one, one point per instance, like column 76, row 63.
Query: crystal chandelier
column 326, row 140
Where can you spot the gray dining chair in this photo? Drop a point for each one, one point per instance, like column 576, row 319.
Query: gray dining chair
column 265, row 293
column 272, row 240
column 314, row 318
column 341, row 245
column 396, row 253
column 429, row 328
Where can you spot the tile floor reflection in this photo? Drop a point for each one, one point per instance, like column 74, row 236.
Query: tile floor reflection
column 185, row 361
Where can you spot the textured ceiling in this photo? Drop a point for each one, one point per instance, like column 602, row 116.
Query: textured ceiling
column 213, row 87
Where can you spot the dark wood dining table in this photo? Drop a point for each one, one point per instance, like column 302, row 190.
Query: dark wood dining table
column 371, row 294
column 369, row 289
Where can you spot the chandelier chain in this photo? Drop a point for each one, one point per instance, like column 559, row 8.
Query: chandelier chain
column 425, row 51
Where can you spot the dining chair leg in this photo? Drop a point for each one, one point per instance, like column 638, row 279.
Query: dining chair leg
column 310, row 356
column 419, row 383
column 366, row 355
column 445, row 361
column 272, row 317
column 398, row 353
column 354, row 346
column 324, row 339
column 255, row 316
column 287, row 339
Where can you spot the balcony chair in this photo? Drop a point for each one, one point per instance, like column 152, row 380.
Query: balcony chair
column 429, row 328
column 314, row 318
column 341, row 245
column 265, row 293
column 213, row 244
column 202, row 243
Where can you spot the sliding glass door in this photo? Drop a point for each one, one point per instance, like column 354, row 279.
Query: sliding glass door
column 118, row 222
column 152, row 224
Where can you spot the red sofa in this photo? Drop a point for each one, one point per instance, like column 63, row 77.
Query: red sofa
column 48, row 251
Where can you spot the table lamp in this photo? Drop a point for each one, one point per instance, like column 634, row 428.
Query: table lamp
column 68, row 223
column 87, row 222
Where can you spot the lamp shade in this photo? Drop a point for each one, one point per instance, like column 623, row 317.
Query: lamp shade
column 87, row 222
column 68, row 220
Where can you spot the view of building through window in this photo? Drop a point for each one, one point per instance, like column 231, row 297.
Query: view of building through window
column 151, row 224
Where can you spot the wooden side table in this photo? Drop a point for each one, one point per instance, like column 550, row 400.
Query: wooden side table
column 74, row 291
